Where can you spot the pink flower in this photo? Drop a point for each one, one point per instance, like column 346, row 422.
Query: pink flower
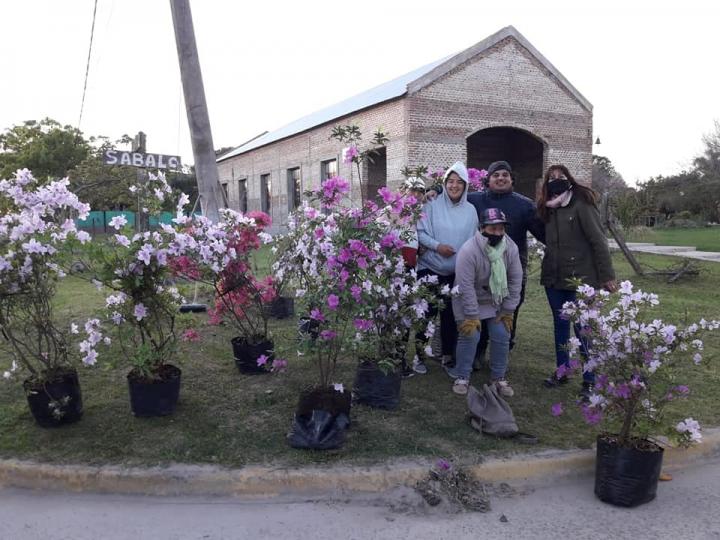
column 279, row 365
column 350, row 153
column 262, row 360
column 363, row 324
column 556, row 409
column 327, row 335
column 317, row 315
column 443, row 465
column 190, row 335
column 356, row 292
column 333, row 301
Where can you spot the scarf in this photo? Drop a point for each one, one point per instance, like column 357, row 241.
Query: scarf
column 561, row 200
column 498, row 273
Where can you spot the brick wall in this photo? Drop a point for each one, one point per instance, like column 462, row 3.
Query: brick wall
column 503, row 86
column 307, row 151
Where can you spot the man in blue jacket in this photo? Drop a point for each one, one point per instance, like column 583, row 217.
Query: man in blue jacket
column 520, row 211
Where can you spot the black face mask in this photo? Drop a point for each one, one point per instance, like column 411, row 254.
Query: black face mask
column 557, row 187
column 493, row 239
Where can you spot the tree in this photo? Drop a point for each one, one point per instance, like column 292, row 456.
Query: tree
column 605, row 179
column 47, row 148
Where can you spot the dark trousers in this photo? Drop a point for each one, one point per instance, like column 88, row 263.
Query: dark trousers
column 482, row 346
column 448, row 327
column 556, row 299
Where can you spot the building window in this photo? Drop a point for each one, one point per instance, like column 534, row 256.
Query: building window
column 265, row 193
column 242, row 195
column 225, row 194
column 328, row 169
column 294, row 188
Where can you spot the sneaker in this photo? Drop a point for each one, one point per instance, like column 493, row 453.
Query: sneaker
column 460, row 386
column 586, row 391
column 450, row 373
column 504, row 388
column 553, row 381
column 419, row 367
column 407, row 372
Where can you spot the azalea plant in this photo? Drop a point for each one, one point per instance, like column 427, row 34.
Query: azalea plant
column 143, row 306
column 639, row 362
column 349, row 275
column 36, row 234
column 220, row 256
column 352, row 154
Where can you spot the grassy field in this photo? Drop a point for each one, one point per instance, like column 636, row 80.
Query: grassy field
column 704, row 239
column 231, row 419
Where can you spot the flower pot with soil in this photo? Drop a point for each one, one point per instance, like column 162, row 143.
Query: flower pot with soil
column 321, row 418
column 253, row 357
column 56, row 399
column 627, row 475
column 154, row 396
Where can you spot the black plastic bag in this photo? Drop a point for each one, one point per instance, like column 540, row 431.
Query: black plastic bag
column 377, row 389
column 319, row 431
column 626, row 476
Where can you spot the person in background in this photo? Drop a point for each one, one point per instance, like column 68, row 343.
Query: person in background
column 488, row 276
column 576, row 249
column 448, row 222
column 522, row 216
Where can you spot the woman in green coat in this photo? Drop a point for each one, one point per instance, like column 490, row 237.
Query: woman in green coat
column 575, row 249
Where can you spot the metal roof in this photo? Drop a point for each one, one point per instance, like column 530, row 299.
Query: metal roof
column 395, row 88
column 384, row 92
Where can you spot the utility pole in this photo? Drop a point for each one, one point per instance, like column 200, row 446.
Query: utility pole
column 197, row 112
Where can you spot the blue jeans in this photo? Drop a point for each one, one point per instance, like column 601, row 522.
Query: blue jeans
column 556, row 299
column 499, row 347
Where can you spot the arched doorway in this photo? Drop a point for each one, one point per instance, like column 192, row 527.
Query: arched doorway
column 522, row 150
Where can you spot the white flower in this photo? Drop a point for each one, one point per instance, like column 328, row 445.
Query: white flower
column 691, row 427
column 91, row 358
column 140, row 311
column 445, row 289
column 455, row 291
column 654, row 365
column 428, row 351
column 697, row 358
column 339, row 387
column 122, row 240
column 74, row 328
column 118, row 222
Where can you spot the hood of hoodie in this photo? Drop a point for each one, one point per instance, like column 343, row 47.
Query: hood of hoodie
column 459, row 168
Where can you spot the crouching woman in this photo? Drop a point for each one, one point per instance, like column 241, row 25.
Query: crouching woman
column 488, row 279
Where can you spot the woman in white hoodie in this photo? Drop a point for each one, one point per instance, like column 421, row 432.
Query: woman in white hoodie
column 448, row 222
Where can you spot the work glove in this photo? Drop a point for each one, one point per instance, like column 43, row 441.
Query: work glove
column 468, row 326
column 507, row 320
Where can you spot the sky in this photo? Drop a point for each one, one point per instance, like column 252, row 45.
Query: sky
column 648, row 68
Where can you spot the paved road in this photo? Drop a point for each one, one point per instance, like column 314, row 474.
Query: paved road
column 686, row 508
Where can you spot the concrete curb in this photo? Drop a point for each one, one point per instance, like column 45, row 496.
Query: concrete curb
column 176, row 480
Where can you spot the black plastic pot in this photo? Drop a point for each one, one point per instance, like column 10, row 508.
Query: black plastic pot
column 282, row 307
column 57, row 401
column 375, row 388
column 246, row 355
column 155, row 397
column 626, row 476
column 308, row 327
column 321, row 419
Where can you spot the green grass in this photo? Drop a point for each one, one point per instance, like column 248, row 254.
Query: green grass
column 230, row 419
column 704, row 239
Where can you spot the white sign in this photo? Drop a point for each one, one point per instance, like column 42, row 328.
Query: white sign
column 137, row 159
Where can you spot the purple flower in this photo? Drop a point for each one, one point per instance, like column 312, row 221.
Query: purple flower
column 386, row 194
column 443, row 465
column 317, row 315
column 327, row 335
column 349, row 154
column 592, row 415
column 333, row 301
column 140, row 312
column 356, row 292
column 363, row 324
column 262, row 360
column 390, row 240
column 556, row 409
column 279, row 365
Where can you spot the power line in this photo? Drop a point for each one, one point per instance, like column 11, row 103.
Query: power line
column 87, row 67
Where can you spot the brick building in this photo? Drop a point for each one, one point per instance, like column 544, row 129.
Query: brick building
column 499, row 99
